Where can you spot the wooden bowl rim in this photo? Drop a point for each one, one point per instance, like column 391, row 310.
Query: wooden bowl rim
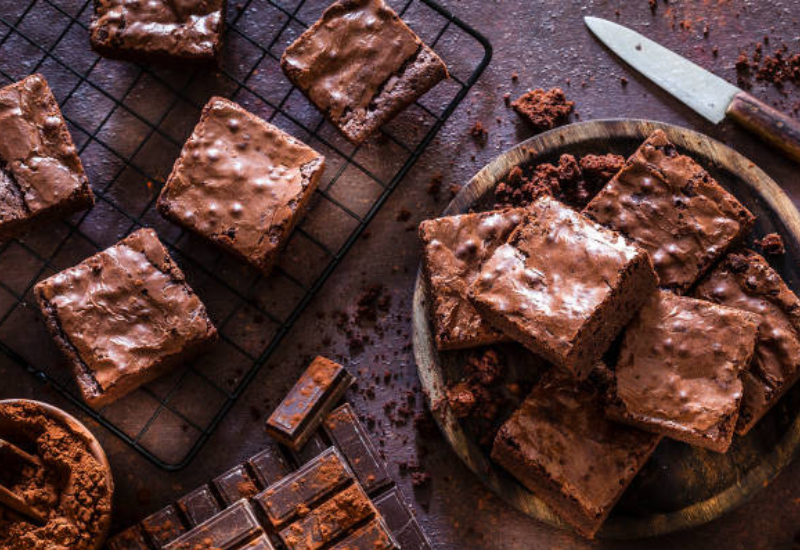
column 94, row 448
column 427, row 358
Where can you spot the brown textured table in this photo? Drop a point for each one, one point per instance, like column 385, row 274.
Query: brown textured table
column 546, row 44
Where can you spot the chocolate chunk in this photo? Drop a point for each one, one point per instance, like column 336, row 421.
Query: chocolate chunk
column 401, row 521
column 198, row 506
column 772, row 244
column 298, row 492
column 130, row 539
column 235, row 484
column 303, row 409
column 232, row 529
column 268, row 466
column 311, row 449
column 373, row 536
column 163, row 527
column 350, row 437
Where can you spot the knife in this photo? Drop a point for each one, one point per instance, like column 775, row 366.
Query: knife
column 707, row 94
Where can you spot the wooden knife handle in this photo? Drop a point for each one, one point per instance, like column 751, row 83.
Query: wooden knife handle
column 770, row 124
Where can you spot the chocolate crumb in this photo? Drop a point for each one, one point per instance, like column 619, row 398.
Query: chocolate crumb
column 772, row 244
column 544, row 109
column 479, row 133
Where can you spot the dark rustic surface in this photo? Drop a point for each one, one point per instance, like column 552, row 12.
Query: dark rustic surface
column 547, row 45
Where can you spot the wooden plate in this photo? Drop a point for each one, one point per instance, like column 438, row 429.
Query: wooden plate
column 681, row 486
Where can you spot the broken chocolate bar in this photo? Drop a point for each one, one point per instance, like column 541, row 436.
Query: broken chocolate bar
column 198, row 506
column 373, row 536
column 268, row 466
column 233, row 529
column 302, row 410
column 235, row 484
column 163, row 526
column 401, row 522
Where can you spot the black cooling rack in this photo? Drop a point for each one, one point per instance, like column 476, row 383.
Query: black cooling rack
column 129, row 123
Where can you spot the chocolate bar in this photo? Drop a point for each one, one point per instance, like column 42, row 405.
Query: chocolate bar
column 130, row 539
column 373, row 536
column 350, row 437
column 163, row 527
column 198, row 506
column 301, row 490
column 302, row 410
column 401, row 522
column 268, row 466
column 233, row 529
column 234, row 485
column 329, row 520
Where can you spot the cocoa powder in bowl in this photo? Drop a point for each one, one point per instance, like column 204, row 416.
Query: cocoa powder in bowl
column 70, row 486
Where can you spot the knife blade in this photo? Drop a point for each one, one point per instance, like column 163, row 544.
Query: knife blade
column 710, row 96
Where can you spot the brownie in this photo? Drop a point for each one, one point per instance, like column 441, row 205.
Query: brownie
column 679, row 369
column 158, row 30
column 560, row 445
column 563, row 286
column 744, row 280
column 544, row 109
column 241, row 183
column 454, row 248
column 361, row 65
column 123, row 317
column 41, row 174
column 671, row 206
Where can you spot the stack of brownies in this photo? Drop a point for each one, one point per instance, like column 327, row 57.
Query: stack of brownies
column 706, row 335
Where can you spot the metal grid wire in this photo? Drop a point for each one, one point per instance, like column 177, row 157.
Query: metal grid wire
column 129, row 123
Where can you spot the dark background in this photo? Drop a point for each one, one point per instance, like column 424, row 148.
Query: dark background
column 546, row 45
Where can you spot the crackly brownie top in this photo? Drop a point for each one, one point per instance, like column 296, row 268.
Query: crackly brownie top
column 561, row 428
column 39, row 166
column 181, row 27
column 125, row 308
column 681, row 360
column 555, row 270
column 239, row 178
column 344, row 60
column 455, row 249
column 745, row 280
column 672, row 207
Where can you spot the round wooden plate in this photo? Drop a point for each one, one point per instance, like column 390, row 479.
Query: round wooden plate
column 681, row 486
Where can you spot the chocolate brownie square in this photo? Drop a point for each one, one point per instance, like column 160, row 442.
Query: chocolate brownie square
column 158, row 30
column 563, row 286
column 41, row 174
column 360, row 65
column 561, row 446
column 680, row 367
column 241, row 183
column 123, row 317
column 454, row 248
column 672, row 207
column 744, row 280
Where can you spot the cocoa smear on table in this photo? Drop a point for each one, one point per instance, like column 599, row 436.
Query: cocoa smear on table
column 70, row 486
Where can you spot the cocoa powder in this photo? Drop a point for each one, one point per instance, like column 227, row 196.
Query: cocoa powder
column 69, row 486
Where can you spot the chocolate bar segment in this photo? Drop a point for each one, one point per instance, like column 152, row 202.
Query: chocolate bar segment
column 302, row 410
column 269, row 466
column 311, row 449
column 301, row 490
column 199, row 505
column 163, row 527
column 261, row 543
column 235, row 484
column 401, row 522
column 350, row 437
column 130, row 539
column 328, row 521
column 233, row 529
column 373, row 536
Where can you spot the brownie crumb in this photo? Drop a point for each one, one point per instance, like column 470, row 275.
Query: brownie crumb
column 403, row 215
column 479, row 133
column 772, row 245
column 653, row 5
column 435, row 186
column 623, row 81
column 462, row 399
column 544, row 109
column 420, row 479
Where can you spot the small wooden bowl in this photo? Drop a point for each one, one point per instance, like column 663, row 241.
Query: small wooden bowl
column 94, row 448
column 681, row 486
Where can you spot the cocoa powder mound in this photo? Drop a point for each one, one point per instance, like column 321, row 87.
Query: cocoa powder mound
column 68, row 486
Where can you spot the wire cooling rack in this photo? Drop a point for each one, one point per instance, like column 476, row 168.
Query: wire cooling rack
column 129, row 123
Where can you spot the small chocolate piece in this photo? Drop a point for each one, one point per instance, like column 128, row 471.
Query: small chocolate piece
column 401, row 521
column 41, row 175
column 241, row 183
column 744, row 280
column 232, row 529
column 373, row 536
column 361, row 65
column 303, row 409
column 674, row 209
column 772, row 244
column 158, row 30
column 560, row 445
column 124, row 317
column 680, row 367
column 198, row 506
column 235, row 484
column 311, row 449
column 544, row 109
column 563, row 286
column 163, row 527
column 329, row 520
column 350, row 437
column 130, row 539
column 298, row 492
column 269, row 466
column 454, row 248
